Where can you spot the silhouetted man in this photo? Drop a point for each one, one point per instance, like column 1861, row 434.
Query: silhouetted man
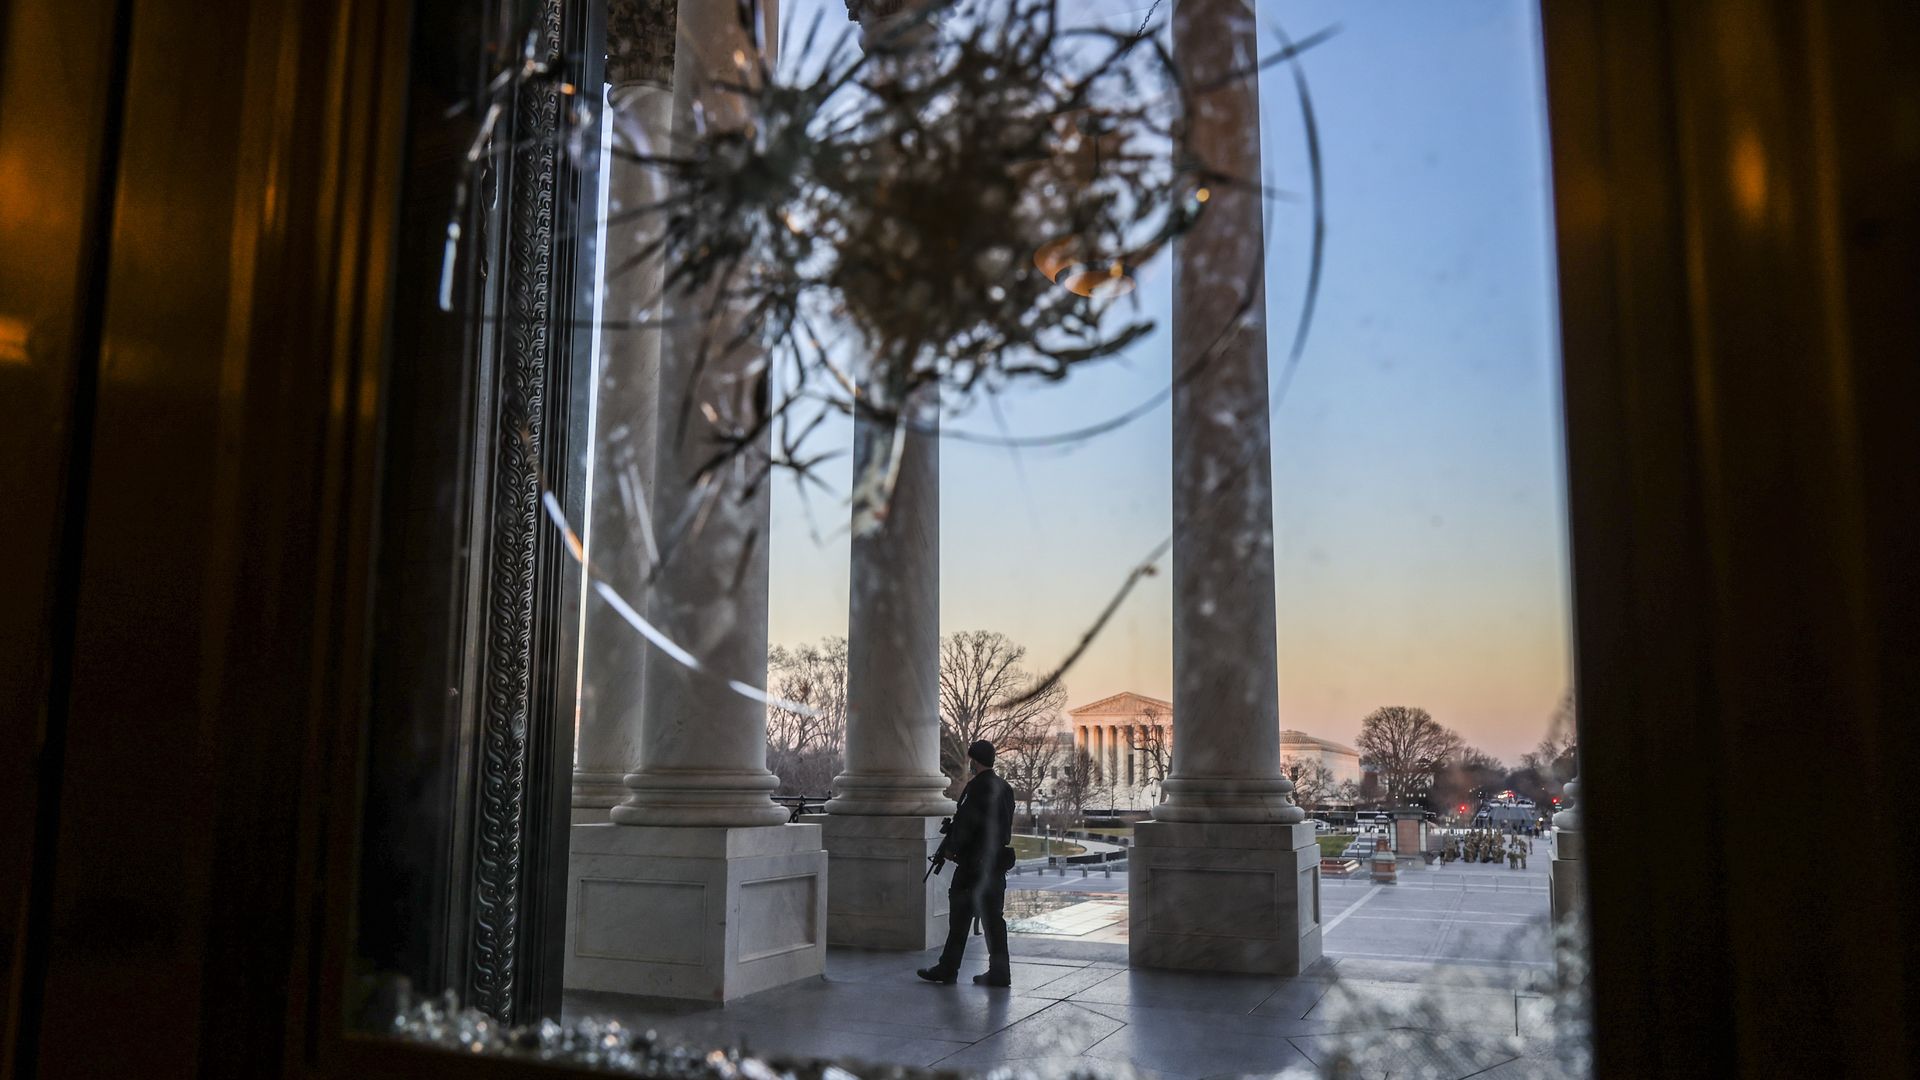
column 978, row 844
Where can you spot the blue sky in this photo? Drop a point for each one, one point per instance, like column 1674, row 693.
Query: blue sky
column 1419, row 521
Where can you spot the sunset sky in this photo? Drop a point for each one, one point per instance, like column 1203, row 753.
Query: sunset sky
column 1419, row 518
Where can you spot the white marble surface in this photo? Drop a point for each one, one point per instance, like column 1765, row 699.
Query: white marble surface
column 893, row 629
column 881, row 897
column 1226, row 746
column 707, row 914
column 703, row 744
column 1225, row 898
column 625, row 429
column 1074, row 1015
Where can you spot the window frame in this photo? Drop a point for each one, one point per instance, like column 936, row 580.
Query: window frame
column 266, row 737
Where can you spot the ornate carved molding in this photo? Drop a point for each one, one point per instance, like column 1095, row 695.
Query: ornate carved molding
column 519, row 439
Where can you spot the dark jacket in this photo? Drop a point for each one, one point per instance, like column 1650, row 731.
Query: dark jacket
column 979, row 842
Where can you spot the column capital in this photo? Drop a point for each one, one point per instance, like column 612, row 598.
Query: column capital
column 640, row 41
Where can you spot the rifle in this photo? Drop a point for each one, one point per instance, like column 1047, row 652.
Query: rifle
column 938, row 859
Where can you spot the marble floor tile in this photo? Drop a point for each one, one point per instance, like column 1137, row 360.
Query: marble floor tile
column 1404, row 1055
column 1197, row 1051
column 1067, row 1016
column 1191, row 991
column 1404, row 1005
column 1063, row 1030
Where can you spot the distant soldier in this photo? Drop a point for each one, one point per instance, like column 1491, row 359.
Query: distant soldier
column 1523, row 857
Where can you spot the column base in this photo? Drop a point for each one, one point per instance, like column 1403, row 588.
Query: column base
column 868, row 795
column 594, row 794
column 707, row 914
column 879, row 899
column 1231, row 898
column 699, row 798
column 1225, row 800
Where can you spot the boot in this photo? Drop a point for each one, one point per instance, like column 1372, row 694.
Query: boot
column 935, row 975
column 998, row 973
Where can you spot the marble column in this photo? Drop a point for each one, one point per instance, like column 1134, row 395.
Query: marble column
column 607, row 746
column 884, row 819
column 1226, row 875
column 699, row 889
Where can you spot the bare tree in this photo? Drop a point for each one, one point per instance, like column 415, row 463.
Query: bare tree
column 1544, row 771
column 1553, row 759
column 1152, row 739
column 1408, row 748
column 1313, row 782
column 805, row 749
column 986, row 694
column 1028, row 763
column 1469, row 777
column 1082, row 783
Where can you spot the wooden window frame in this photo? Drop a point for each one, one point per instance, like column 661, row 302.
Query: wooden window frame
column 193, row 801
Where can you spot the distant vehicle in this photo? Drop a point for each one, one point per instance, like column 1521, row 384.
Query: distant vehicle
column 1319, row 826
column 1505, row 811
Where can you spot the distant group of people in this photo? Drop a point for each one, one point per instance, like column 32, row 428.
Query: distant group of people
column 1488, row 846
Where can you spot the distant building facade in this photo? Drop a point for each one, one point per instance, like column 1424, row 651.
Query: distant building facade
column 1130, row 738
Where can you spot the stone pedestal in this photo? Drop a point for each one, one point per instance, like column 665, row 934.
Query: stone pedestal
column 879, row 899
column 709, row 914
column 1409, row 834
column 1237, row 898
column 1566, row 883
column 1565, row 876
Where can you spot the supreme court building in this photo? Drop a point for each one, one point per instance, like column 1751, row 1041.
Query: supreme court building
column 1130, row 738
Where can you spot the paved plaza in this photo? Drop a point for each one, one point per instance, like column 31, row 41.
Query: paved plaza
column 1482, row 914
column 1444, row 974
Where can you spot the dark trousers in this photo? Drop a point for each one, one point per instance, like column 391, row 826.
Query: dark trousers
column 988, row 901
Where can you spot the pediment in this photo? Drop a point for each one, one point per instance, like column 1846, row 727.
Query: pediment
column 1126, row 705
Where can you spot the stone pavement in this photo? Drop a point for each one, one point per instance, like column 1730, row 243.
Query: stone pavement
column 1444, row 974
column 1485, row 913
column 1383, row 1018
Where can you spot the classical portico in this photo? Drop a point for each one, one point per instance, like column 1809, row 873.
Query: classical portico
column 694, row 885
